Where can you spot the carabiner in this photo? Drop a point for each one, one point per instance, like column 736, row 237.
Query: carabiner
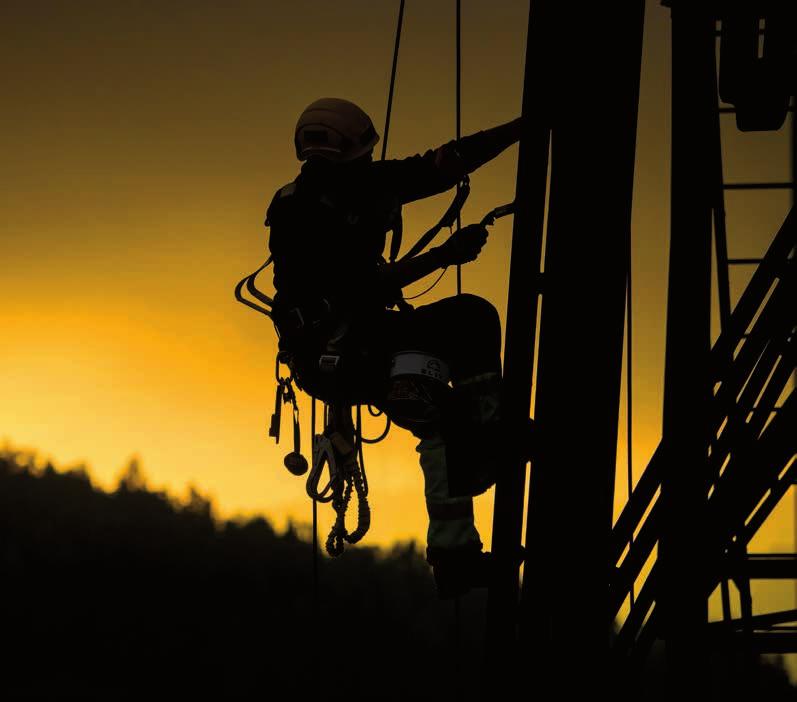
column 323, row 455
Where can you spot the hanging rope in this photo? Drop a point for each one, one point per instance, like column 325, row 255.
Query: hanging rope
column 457, row 614
column 358, row 437
column 629, row 395
column 431, row 287
column 459, row 123
column 315, row 522
column 393, row 77
column 337, row 451
column 351, row 479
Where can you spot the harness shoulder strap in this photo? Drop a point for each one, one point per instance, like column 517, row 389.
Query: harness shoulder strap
column 285, row 192
column 397, row 227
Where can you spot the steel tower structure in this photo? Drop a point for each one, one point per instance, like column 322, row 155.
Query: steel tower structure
column 727, row 455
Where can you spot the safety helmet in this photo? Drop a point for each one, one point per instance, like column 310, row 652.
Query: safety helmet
column 334, row 129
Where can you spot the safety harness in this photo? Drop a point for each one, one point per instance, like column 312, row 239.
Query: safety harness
column 338, row 450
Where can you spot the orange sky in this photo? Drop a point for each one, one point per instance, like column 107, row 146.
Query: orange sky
column 141, row 143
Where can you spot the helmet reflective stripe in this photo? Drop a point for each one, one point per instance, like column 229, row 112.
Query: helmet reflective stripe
column 334, row 129
column 419, row 363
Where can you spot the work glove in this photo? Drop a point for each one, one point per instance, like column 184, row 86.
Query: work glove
column 463, row 246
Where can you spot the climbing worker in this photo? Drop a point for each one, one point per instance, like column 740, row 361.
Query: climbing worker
column 434, row 369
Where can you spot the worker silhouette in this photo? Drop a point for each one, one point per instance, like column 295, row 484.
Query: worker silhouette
column 434, row 369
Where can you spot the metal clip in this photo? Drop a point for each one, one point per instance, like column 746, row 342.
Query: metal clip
column 323, row 455
column 328, row 363
column 294, row 461
column 274, row 428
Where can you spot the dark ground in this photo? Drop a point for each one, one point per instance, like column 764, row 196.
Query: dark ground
column 131, row 594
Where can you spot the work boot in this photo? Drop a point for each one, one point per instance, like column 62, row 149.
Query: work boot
column 480, row 440
column 479, row 456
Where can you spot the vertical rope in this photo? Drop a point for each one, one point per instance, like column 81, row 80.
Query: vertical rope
column 392, row 78
column 315, row 519
column 457, row 613
column 459, row 118
column 316, row 605
column 629, row 398
column 793, row 168
column 457, row 643
column 358, row 445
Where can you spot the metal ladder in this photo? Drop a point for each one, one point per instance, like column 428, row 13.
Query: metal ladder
column 749, row 562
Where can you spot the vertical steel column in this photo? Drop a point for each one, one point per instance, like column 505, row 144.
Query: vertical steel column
column 524, row 288
column 687, row 386
column 564, row 605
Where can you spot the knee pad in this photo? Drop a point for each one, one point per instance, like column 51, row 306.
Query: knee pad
column 418, row 392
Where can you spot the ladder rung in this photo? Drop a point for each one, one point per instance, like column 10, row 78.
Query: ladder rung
column 718, row 32
column 758, row 186
column 744, row 261
column 770, row 566
column 732, row 110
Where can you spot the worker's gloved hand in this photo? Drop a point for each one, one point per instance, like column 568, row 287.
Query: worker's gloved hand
column 463, row 245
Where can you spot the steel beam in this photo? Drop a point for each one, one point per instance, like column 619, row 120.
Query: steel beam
column 597, row 61
column 519, row 347
column 687, row 388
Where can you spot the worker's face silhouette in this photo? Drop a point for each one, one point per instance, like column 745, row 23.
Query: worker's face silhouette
column 343, row 171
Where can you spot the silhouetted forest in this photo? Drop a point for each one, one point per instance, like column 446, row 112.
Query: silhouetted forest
column 119, row 595
column 133, row 594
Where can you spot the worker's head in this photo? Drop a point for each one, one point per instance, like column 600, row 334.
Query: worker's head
column 335, row 130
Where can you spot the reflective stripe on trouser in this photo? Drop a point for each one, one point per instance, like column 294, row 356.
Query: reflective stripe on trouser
column 450, row 518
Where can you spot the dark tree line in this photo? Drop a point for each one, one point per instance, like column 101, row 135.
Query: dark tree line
column 117, row 595
column 132, row 594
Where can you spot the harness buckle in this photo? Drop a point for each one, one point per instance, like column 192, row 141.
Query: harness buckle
column 328, row 363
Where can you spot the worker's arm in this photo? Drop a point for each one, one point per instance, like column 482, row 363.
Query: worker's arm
column 454, row 159
column 461, row 247
column 440, row 169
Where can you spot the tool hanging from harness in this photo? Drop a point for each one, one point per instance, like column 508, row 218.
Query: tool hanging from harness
column 337, row 448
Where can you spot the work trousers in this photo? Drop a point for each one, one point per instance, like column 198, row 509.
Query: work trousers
column 456, row 456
